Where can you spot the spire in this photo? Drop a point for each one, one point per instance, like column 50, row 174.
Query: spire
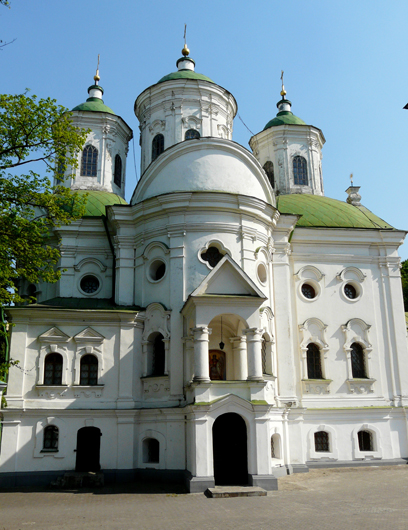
column 185, row 62
column 96, row 91
column 284, row 104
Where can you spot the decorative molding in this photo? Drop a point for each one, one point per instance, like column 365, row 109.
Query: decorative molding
column 82, row 391
column 361, row 386
column 93, row 261
column 354, row 272
column 309, row 272
column 316, row 386
column 89, row 335
column 53, row 335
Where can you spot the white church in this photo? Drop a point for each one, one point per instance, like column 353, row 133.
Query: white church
column 229, row 325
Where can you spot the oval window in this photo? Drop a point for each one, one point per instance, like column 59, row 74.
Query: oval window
column 350, row 291
column 157, row 270
column 308, row 291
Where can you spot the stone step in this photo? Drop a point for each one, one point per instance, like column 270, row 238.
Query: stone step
column 222, row 492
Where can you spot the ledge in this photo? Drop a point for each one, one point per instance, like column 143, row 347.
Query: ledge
column 316, row 386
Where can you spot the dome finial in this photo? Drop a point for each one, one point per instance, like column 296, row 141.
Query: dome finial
column 283, row 91
column 185, row 51
column 96, row 76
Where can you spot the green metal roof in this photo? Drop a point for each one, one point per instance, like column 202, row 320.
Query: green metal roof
column 184, row 74
column 94, row 105
column 284, row 117
column 97, row 200
column 317, row 211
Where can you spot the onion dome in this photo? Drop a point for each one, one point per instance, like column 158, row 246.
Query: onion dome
column 185, row 66
column 95, row 102
column 285, row 116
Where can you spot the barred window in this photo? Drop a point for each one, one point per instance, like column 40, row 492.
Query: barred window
column 89, row 164
column 314, row 364
column 117, row 177
column 89, row 370
column 300, row 171
column 158, row 360
column 53, row 369
column 157, row 146
column 365, row 441
column 50, row 441
column 270, row 173
column 192, row 134
column 321, row 439
column 358, row 366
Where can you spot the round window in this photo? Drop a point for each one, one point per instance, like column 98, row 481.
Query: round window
column 89, row 284
column 308, row 291
column 350, row 291
column 157, row 270
column 262, row 273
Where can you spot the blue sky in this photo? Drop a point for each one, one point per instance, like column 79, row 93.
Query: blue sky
column 345, row 63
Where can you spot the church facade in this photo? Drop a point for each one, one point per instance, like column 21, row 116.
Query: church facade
column 229, row 325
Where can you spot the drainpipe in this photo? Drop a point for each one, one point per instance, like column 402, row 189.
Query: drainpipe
column 105, row 224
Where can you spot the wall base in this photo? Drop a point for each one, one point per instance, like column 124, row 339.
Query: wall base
column 266, row 482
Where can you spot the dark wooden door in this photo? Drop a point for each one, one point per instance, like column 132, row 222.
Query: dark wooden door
column 88, row 449
column 230, row 450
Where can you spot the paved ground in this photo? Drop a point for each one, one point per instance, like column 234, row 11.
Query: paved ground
column 365, row 498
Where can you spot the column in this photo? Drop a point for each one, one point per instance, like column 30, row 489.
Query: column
column 201, row 363
column 188, row 359
column 254, row 353
column 239, row 349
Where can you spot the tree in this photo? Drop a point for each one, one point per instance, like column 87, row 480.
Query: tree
column 33, row 131
column 404, row 278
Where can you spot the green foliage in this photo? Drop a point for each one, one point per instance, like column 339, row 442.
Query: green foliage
column 404, row 278
column 33, row 132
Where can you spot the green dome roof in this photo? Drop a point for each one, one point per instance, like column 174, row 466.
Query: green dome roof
column 94, row 105
column 185, row 74
column 322, row 212
column 284, row 118
column 97, row 200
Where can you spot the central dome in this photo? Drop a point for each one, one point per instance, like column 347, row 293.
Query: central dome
column 185, row 70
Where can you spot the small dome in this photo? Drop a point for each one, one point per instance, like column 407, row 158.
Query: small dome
column 323, row 212
column 95, row 102
column 285, row 116
column 97, row 200
column 185, row 67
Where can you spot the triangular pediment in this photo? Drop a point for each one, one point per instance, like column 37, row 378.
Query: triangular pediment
column 228, row 279
column 54, row 335
column 89, row 335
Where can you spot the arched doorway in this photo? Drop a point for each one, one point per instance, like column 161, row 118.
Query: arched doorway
column 88, row 449
column 230, row 450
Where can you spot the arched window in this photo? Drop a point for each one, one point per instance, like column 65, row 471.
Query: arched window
column 89, row 370
column 50, row 441
column 151, row 451
column 157, row 146
column 300, row 171
column 321, row 439
column 314, row 363
column 192, row 134
column 89, row 164
column 358, row 366
column 270, row 173
column 53, row 369
column 158, row 355
column 365, row 441
column 117, row 177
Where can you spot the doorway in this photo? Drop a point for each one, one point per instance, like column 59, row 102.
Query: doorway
column 230, row 450
column 88, row 449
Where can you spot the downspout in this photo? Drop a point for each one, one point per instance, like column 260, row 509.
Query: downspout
column 105, row 224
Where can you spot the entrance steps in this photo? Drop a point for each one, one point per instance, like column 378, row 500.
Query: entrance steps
column 222, row 492
column 73, row 480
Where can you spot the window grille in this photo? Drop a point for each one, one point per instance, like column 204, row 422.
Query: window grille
column 270, row 173
column 321, row 442
column 89, row 370
column 89, row 164
column 192, row 134
column 213, row 256
column 53, row 369
column 314, row 365
column 308, row 291
column 117, row 177
column 365, row 441
column 358, row 367
column 350, row 291
column 157, row 146
column 300, row 171
column 50, row 442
